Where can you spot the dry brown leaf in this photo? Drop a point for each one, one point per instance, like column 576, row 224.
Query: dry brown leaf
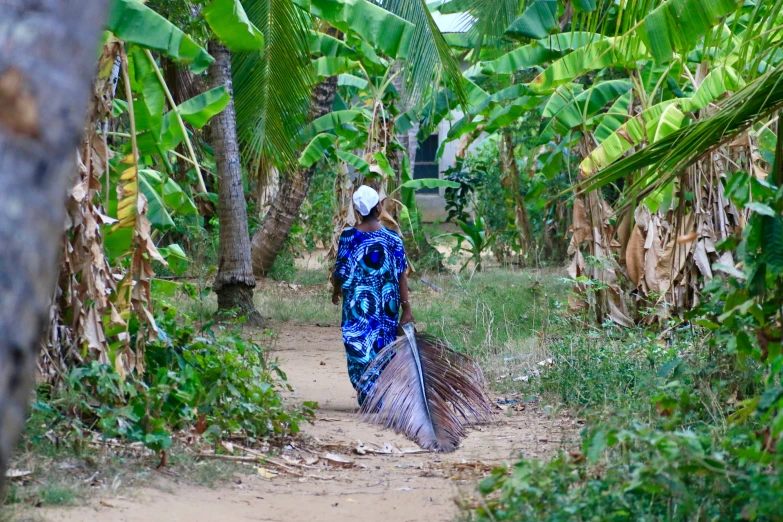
column 333, row 459
column 581, row 225
column 688, row 238
column 634, row 256
column 618, row 316
column 17, row 473
column 701, row 260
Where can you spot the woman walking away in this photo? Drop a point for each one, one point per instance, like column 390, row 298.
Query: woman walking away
column 370, row 273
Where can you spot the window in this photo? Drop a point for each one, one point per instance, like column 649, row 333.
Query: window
column 426, row 165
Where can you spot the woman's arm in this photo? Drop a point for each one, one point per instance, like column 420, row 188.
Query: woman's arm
column 407, row 314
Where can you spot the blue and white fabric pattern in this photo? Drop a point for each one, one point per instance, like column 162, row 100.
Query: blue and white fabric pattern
column 368, row 269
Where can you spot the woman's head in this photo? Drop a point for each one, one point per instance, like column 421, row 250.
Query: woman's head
column 366, row 200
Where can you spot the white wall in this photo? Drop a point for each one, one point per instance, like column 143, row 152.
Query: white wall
column 433, row 206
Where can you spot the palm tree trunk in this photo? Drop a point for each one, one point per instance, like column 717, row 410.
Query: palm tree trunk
column 234, row 282
column 47, row 53
column 270, row 238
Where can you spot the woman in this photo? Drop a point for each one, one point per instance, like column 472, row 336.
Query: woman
column 370, row 273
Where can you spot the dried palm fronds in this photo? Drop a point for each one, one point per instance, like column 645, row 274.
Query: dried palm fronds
column 425, row 390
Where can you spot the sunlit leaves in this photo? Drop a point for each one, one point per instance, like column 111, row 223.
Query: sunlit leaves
column 567, row 111
column 132, row 21
column 384, row 30
column 272, row 87
column 228, row 20
column 676, row 25
column 650, row 126
column 536, row 22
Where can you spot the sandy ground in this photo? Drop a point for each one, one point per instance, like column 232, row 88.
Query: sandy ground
column 369, row 488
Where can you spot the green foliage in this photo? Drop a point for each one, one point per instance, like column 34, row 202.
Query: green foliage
column 474, row 239
column 653, row 475
column 132, row 21
column 272, row 87
column 459, row 198
column 539, row 191
column 654, row 447
column 536, row 21
column 664, row 33
column 216, row 379
column 430, row 58
column 317, row 213
column 383, row 30
column 688, row 429
column 228, row 20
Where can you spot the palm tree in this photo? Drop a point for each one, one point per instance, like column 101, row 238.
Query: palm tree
column 235, row 281
column 48, row 64
column 268, row 241
column 429, row 58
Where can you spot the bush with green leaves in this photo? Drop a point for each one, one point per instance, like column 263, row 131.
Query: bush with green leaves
column 474, row 240
column 657, row 445
column 211, row 378
column 649, row 475
column 685, row 429
column 459, row 199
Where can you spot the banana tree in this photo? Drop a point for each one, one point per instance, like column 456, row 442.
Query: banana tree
column 362, row 142
column 124, row 195
column 680, row 57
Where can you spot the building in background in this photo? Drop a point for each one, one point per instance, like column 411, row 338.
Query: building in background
column 425, row 163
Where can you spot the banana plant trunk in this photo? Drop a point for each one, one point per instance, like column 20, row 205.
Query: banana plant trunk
column 234, row 282
column 47, row 53
column 269, row 240
column 593, row 246
column 511, row 183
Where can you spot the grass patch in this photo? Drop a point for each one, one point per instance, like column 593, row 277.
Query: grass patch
column 497, row 316
column 298, row 303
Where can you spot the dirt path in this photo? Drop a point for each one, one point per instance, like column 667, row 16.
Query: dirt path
column 399, row 487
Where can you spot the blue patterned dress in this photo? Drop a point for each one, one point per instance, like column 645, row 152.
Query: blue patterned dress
column 368, row 268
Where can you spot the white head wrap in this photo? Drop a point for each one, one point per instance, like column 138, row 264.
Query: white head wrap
column 365, row 199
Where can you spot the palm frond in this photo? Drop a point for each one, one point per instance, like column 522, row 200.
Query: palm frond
column 425, row 390
column 668, row 157
column 272, row 87
column 488, row 21
column 430, row 56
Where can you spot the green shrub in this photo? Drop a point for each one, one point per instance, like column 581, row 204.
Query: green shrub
column 650, row 475
column 688, row 428
column 213, row 379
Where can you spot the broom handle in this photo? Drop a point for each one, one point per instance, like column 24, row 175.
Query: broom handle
column 410, row 333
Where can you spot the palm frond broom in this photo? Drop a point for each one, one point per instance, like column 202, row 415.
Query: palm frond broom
column 421, row 387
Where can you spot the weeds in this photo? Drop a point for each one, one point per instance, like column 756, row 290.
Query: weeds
column 207, row 381
column 684, row 424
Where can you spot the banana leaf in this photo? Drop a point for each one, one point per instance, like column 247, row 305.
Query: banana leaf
column 134, row 22
column 230, row 23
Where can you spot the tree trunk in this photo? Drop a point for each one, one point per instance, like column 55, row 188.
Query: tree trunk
column 270, row 238
column 234, row 282
column 511, row 184
column 47, row 53
column 593, row 248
